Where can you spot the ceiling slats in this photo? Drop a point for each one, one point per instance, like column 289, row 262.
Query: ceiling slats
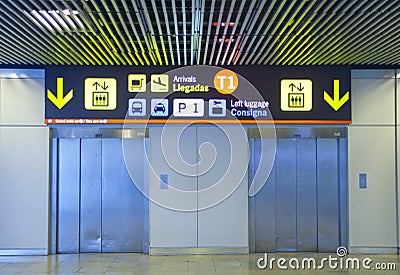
column 188, row 32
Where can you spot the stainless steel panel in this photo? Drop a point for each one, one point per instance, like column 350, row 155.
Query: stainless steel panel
column 99, row 132
column 68, row 195
column 265, row 234
column 251, row 172
column 90, row 218
column 146, row 202
column 306, row 195
column 343, row 178
column 121, row 202
column 53, row 194
column 328, row 194
column 286, row 195
column 298, row 132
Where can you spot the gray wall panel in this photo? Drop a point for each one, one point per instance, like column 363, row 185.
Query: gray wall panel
column 90, row 219
column 372, row 210
column 286, row 195
column 169, row 227
column 328, row 194
column 306, row 195
column 228, row 175
column 24, row 190
column 22, row 101
column 68, row 195
column 365, row 94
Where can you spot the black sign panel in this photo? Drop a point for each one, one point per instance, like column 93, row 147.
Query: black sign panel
column 246, row 94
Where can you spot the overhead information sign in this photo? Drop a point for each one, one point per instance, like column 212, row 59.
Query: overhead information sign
column 200, row 94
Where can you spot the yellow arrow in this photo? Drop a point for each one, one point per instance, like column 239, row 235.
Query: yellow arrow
column 60, row 100
column 336, row 102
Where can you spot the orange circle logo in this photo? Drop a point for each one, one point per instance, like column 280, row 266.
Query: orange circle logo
column 226, row 82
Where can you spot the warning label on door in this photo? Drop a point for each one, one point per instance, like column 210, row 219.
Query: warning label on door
column 296, row 95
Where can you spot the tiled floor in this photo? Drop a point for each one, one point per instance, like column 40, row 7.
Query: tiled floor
column 135, row 263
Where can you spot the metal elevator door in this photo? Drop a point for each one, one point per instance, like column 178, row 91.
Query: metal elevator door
column 99, row 208
column 303, row 204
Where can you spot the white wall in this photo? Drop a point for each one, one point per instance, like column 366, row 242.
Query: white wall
column 372, row 211
column 24, row 163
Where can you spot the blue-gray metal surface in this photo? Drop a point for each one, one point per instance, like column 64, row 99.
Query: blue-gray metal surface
column 68, row 195
column 90, row 219
column 53, row 194
column 328, row 194
column 321, row 210
column 285, row 192
column 264, row 207
column 122, row 203
column 343, row 204
column 306, row 195
column 252, row 214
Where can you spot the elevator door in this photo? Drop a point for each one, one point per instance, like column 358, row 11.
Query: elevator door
column 208, row 215
column 99, row 207
column 303, row 204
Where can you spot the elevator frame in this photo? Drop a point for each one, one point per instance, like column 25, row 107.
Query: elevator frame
column 306, row 132
column 288, row 131
column 85, row 133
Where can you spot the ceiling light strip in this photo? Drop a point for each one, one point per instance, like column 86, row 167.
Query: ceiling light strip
column 312, row 20
column 142, row 52
column 210, row 23
column 275, row 35
column 193, row 47
column 284, row 42
column 389, row 58
column 325, row 16
column 259, row 10
column 15, row 33
column 70, row 43
column 166, row 21
column 380, row 48
column 124, row 59
column 239, row 15
column 237, row 50
column 178, row 54
column 89, row 31
column 105, row 41
column 43, row 38
column 125, row 34
column 200, row 30
column 149, row 25
column 15, row 55
column 184, row 33
column 353, row 27
column 161, row 34
column 373, row 28
column 379, row 43
column 221, row 12
column 225, row 32
column 12, row 47
column 144, row 32
column 265, row 37
column 78, row 37
column 330, row 31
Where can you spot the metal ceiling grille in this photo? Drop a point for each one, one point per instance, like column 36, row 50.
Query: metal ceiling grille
column 188, row 32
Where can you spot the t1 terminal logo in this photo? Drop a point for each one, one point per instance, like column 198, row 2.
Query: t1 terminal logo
column 167, row 161
column 226, row 82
